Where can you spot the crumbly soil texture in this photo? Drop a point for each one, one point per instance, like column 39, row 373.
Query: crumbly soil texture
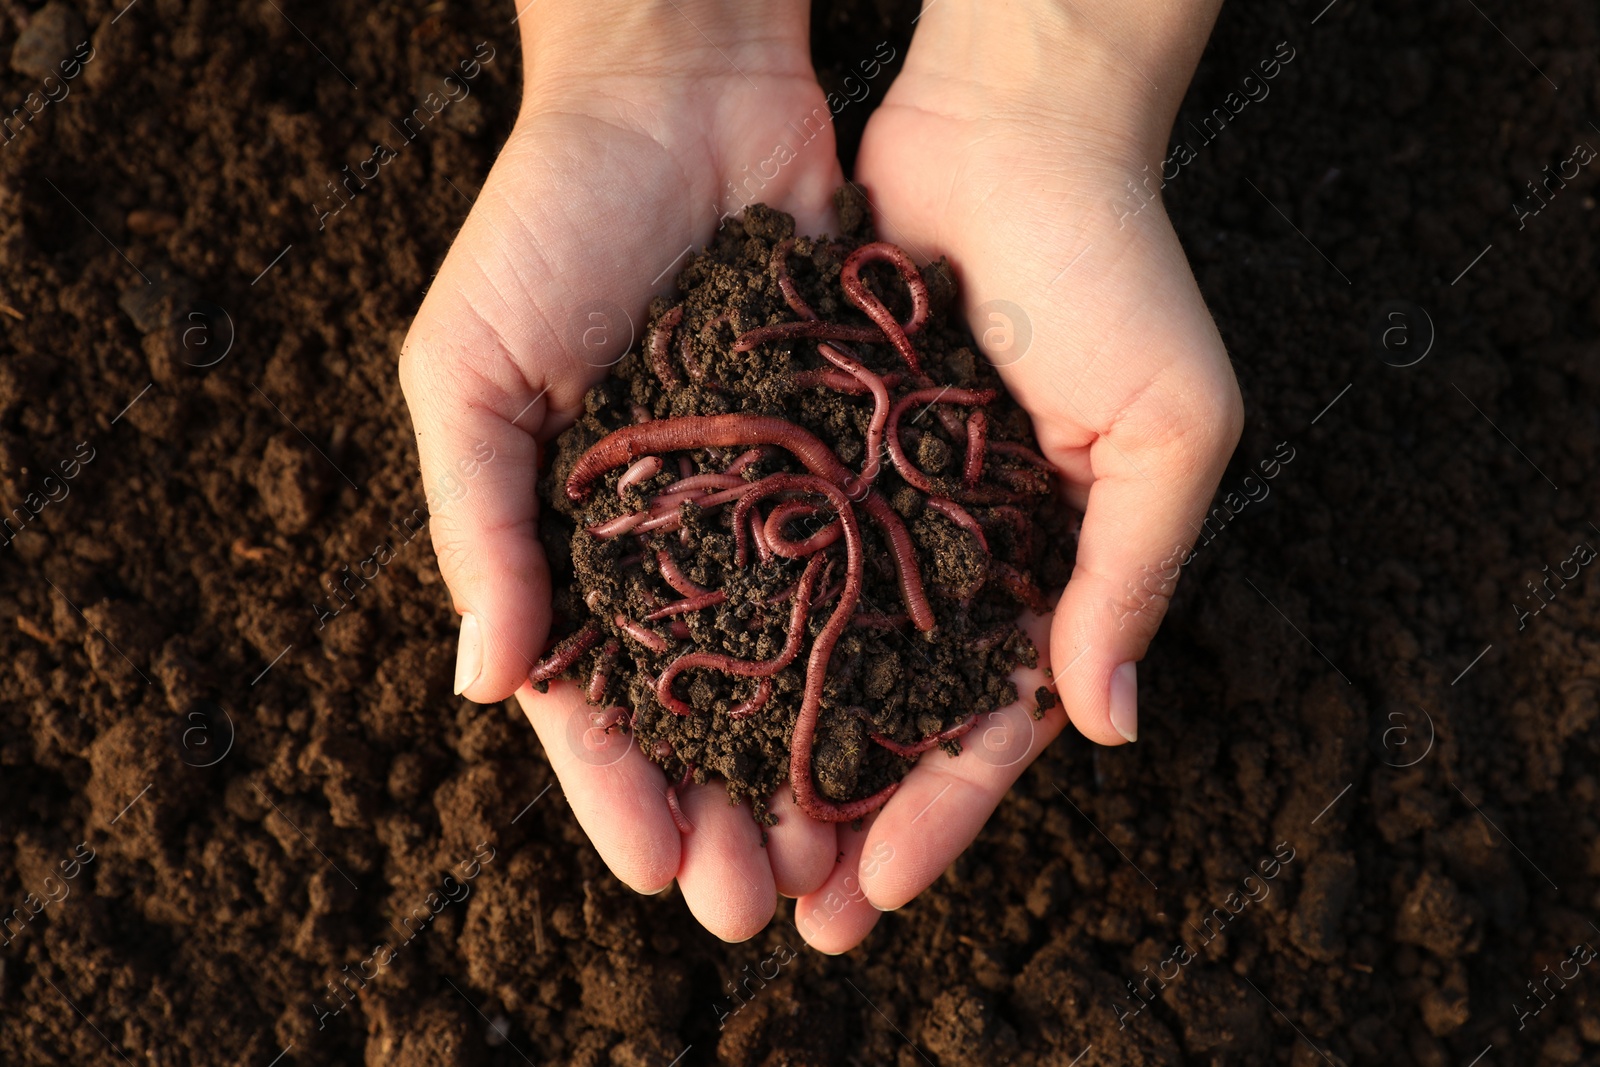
column 886, row 678
column 272, row 779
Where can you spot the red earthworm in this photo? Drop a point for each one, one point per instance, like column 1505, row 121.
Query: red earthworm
column 671, row 520
column 674, row 805
column 676, row 578
column 827, row 594
column 915, row 750
column 1022, row 452
column 880, row 412
column 679, row 629
column 602, row 671
column 660, row 342
column 807, row 330
column 711, row 480
column 758, row 534
column 697, row 431
column 641, row 413
column 875, row 620
column 930, row 396
column 691, row 361
column 605, row 720
column 745, row 459
column 780, row 543
column 855, row 290
column 779, row 265
column 663, row 749
column 565, row 653
column 641, row 471
column 745, row 668
column 805, row 724
column 838, row 381
column 685, row 468
column 960, row 516
column 619, row 525
column 746, row 708
column 1021, row 528
column 694, row 603
column 977, row 430
column 1019, row 585
column 641, row 633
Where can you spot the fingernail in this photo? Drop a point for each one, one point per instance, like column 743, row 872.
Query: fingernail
column 1125, row 702
column 469, row 654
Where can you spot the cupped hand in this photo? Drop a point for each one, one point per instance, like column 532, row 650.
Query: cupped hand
column 1008, row 148
column 637, row 132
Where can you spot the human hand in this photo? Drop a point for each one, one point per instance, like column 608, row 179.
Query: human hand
column 1005, row 144
column 632, row 129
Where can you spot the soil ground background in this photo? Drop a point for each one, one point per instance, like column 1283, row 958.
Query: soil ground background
column 249, row 801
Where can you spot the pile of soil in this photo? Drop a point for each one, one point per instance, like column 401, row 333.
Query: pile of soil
column 272, row 778
column 887, row 678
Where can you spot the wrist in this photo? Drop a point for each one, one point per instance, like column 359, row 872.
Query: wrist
column 568, row 43
column 1120, row 67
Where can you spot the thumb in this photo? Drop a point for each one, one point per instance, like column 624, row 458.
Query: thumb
column 475, row 421
column 1154, row 473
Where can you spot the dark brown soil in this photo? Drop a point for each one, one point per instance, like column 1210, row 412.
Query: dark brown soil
column 172, row 593
column 884, row 679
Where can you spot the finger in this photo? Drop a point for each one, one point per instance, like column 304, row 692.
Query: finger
column 943, row 803
column 725, row 876
column 1154, row 475
column 617, row 795
column 800, row 849
column 473, row 418
column 837, row 917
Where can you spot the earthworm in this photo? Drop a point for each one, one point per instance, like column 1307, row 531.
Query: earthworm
column 693, row 603
column 679, row 629
column 565, row 653
column 758, row 534
column 913, row 751
column 780, row 543
column 746, row 708
column 855, row 290
column 745, row 668
column 601, row 678
column 619, row 525
column 839, row 381
column 960, row 516
column 676, row 578
column 691, row 362
column 1022, row 452
column 880, row 412
column 640, row 633
column 673, row 804
column 691, row 484
column 779, row 265
column 660, row 343
column 809, row 329
column 933, row 395
column 697, row 431
column 641, row 471
column 805, row 724
column 977, row 429
column 1019, row 585
column 877, row 620
column 745, row 459
column 605, row 720
column 641, row 413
